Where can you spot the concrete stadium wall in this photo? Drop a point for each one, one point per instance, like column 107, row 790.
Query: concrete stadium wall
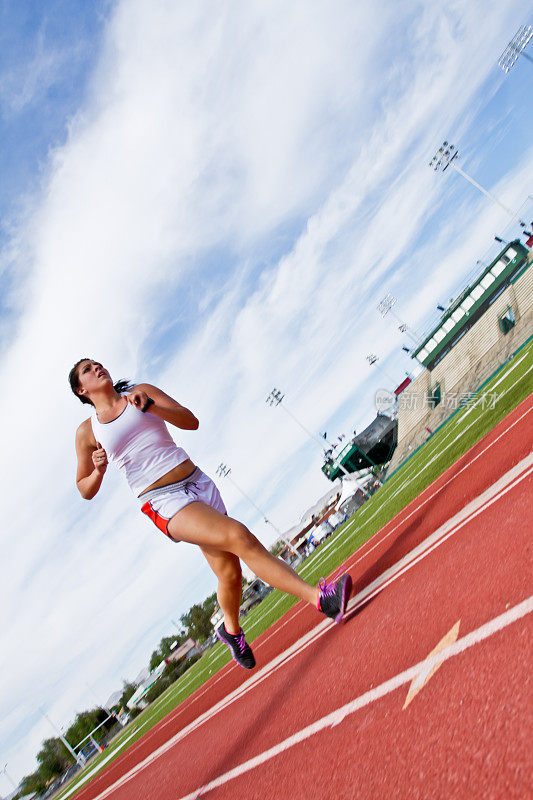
column 473, row 359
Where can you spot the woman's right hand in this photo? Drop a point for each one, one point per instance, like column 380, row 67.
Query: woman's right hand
column 100, row 459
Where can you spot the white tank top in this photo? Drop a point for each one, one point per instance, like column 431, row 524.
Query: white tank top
column 140, row 446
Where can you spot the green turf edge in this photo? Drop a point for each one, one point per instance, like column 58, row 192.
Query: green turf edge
column 452, row 439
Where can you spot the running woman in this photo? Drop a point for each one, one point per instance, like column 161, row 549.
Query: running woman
column 127, row 427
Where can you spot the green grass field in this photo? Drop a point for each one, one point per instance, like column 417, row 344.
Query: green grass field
column 509, row 386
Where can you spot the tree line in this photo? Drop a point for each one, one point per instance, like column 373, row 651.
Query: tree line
column 54, row 759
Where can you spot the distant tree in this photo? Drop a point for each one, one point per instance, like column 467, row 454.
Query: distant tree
column 158, row 688
column 167, row 642
column 155, row 659
column 277, row 547
column 53, row 759
column 84, row 723
column 211, row 601
column 165, row 648
column 174, row 669
column 32, row 784
column 197, row 621
column 129, row 690
column 171, row 673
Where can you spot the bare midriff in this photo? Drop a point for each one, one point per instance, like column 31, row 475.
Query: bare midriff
column 176, row 474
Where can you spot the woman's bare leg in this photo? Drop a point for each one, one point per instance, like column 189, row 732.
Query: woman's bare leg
column 200, row 524
column 227, row 568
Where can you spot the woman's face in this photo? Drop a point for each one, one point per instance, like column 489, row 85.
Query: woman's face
column 92, row 376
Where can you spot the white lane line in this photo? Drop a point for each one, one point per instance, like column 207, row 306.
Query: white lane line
column 518, row 473
column 490, row 496
column 336, row 717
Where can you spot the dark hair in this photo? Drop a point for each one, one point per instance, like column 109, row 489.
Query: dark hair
column 74, row 380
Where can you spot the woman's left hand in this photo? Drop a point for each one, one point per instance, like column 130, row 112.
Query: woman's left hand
column 137, row 398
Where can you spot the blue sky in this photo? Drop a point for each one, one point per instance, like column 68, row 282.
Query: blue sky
column 47, row 52
column 215, row 200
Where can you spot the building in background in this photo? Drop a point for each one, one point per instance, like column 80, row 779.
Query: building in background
column 477, row 333
column 373, row 447
column 186, row 650
column 138, row 698
column 318, row 513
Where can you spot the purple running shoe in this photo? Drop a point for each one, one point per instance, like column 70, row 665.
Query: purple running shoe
column 240, row 651
column 333, row 597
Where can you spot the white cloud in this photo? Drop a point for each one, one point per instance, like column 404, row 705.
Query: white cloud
column 208, row 136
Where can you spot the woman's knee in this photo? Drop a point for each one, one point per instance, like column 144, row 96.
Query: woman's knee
column 241, row 539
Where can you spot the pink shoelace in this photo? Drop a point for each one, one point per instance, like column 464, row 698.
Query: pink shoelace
column 241, row 641
column 325, row 590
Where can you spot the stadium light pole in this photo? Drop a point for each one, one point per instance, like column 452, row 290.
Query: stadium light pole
column 445, row 157
column 224, row 472
column 372, row 359
column 385, row 307
column 275, row 399
column 6, row 773
column 516, row 48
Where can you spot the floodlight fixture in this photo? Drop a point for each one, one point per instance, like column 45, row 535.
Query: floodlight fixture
column 444, row 156
column 223, row 470
column 275, row 397
column 516, row 48
column 386, row 304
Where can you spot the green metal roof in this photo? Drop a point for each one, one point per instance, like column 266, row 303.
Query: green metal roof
column 463, row 309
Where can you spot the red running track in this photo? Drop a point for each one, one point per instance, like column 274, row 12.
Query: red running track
column 325, row 710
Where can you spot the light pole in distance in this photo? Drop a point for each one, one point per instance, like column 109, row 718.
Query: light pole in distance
column 386, row 306
column 445, row 157
column 275, row 398
column 224, row 471
column 6, row 773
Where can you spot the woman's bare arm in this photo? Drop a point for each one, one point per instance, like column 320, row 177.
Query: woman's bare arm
column 92, row 461
column 164, row 406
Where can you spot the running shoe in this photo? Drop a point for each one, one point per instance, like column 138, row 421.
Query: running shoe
column 333, row 597
column 240, row 651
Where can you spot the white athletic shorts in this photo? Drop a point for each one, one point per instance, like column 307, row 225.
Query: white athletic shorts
column 161, row 504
